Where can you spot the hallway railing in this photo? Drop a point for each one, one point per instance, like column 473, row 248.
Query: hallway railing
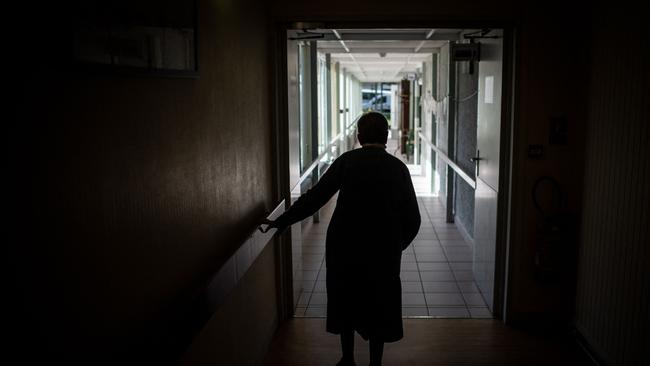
column 327, row 151
column 337, row 146
column 231, row 272
column 450, row 163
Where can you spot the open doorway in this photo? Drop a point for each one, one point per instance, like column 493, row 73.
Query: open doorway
column 441, row 90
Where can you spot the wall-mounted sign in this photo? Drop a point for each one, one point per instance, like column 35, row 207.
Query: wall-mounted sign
column 489, row 90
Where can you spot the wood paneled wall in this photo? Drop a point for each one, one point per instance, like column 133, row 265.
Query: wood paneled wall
column 130, row 192
column 613, row 300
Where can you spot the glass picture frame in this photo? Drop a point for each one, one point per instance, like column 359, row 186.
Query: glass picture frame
column 148, row 38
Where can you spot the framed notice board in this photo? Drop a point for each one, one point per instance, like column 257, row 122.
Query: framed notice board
column 141, row 37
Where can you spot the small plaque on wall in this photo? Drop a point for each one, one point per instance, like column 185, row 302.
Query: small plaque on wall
column 489, row 90
column 156, row 38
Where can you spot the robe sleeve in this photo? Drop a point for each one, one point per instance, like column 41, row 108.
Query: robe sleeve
column 314, row 198
column 411, row 218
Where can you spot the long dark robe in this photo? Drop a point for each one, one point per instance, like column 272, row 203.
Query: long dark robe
column 375, row 219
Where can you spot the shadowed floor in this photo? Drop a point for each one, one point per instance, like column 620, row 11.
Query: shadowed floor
column 444, row 342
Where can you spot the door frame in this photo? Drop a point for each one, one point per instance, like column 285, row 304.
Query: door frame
column 279, row 109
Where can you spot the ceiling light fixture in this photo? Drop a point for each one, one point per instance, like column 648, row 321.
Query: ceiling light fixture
column 341, row 40
column 431, row 32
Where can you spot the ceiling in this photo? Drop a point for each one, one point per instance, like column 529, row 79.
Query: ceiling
column 370, row 67
column 381, row 55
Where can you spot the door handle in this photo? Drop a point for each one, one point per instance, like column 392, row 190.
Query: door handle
column 476, row 161
column 477, row 158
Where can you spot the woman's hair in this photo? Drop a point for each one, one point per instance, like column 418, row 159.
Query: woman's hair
column 372, row 128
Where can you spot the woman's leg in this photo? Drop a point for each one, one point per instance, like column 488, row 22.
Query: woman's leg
column 376, row 352
column 347, row 347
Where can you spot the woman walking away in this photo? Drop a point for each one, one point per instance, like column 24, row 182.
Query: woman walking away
column 375, row 219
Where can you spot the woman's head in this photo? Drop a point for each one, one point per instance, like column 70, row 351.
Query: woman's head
column 372, row 128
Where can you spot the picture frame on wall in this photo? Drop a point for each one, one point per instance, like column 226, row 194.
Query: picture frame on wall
column 145, row 37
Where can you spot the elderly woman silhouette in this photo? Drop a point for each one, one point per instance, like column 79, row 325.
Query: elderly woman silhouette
column 375, row 219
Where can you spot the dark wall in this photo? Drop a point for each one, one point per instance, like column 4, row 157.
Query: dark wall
column 551, row 83
column 239, row 332
column 131, row 191
column 613, row 302
column 385, row 10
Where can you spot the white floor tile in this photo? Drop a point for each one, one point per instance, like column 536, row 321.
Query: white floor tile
column 437, row 276
column 411, row 287
column 474, row 299
column 444, row 286
column 444, row 299
column 467, row 287
column 482, row 312
column 318, row 298
column 413, row 299
column 414, row 311
column 409, row 266
column 409, row 276
column 464, row 275
column 434, row 266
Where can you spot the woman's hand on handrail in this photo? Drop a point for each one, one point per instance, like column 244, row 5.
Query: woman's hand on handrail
column 270, row 224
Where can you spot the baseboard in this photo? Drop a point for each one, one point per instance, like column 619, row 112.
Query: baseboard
column 463, row 232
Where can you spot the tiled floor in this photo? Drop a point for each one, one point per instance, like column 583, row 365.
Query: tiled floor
column 437, row 278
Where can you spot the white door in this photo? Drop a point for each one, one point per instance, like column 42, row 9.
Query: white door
column 487, row 164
